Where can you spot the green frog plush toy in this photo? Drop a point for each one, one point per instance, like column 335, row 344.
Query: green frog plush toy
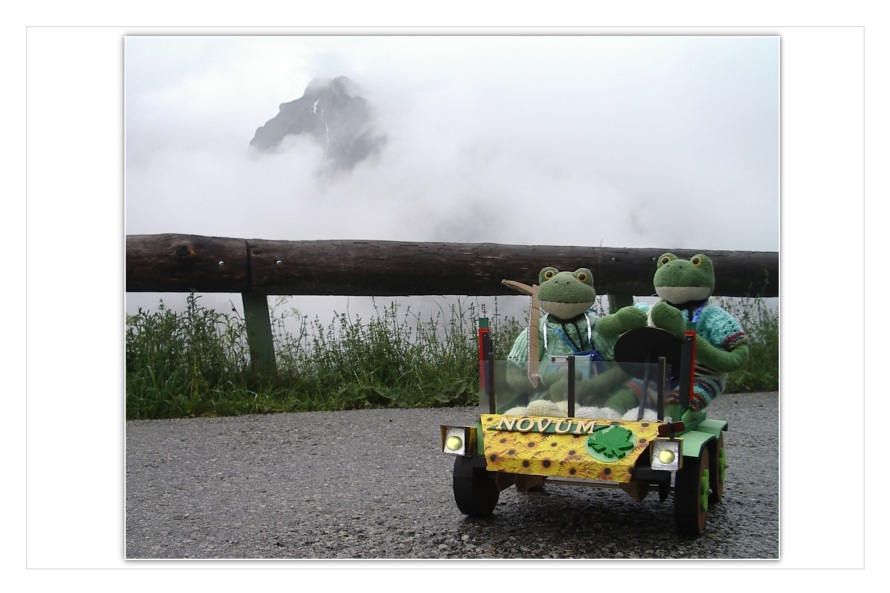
column 684, row 288
column 567, row 327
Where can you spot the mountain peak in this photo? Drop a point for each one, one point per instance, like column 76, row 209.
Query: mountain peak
column 334, row 114
column 341, row 85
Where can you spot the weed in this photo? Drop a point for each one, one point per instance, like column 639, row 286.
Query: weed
column 197, row 362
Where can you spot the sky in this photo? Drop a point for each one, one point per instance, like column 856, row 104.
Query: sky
column 82, row 107
column 590, row 140
column 634, row 137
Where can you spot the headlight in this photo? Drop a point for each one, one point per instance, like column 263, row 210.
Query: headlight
column 458, row 440
column 666, row 454
column 454, row 443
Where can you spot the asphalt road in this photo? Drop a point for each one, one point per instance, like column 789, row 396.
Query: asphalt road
column 372, row 484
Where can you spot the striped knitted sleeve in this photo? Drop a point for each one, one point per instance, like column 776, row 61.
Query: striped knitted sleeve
column 721, row 329
column 519, row 351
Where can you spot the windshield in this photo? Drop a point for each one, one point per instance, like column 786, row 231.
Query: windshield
column 576, row 387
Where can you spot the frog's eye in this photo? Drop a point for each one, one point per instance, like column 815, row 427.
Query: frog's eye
column 581, row 276
column 696, row 261
column 666, row 258
column 546, row 274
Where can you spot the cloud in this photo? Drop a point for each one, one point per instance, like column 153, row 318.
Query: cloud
column 617, row 141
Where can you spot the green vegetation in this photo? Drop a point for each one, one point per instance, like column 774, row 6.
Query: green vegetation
column 197, row 363
column 761, row 371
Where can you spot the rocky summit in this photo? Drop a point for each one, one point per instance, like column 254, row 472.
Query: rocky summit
column 333, row 114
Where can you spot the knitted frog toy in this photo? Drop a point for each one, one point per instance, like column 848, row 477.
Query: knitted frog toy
column 568, row 327
column 685, row 288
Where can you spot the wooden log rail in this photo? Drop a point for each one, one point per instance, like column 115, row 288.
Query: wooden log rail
column 257, row 268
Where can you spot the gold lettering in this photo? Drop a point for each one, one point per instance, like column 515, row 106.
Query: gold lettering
column 543, row 423
column 528, row 426
column 506, row 424
column 560, row 430
column 525, row 424
column 585, row 427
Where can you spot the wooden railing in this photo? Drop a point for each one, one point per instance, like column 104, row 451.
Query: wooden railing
column 258, row 268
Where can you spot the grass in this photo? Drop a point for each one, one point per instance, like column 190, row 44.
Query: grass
column 197, row 363
column 761, row 371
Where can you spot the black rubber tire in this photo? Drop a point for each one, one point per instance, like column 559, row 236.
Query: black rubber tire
column 475, row 490
column 692, row 493
column 718, row 470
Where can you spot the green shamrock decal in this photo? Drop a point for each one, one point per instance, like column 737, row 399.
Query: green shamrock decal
column 611, row 441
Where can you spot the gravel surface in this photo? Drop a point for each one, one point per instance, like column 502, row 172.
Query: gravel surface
column 372, row 484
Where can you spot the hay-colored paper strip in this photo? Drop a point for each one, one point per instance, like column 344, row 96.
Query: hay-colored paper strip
column 534, row 319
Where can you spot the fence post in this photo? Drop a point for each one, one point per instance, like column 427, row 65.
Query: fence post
column 259, row 332
column 617, row 301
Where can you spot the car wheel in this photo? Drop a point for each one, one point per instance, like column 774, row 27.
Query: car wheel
column 692, row 493
column 718, row 471
column 475, row 490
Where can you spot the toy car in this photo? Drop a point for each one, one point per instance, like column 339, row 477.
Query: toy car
column 660, row 446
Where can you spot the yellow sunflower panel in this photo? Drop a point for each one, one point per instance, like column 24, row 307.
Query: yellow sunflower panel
column 565, row 447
